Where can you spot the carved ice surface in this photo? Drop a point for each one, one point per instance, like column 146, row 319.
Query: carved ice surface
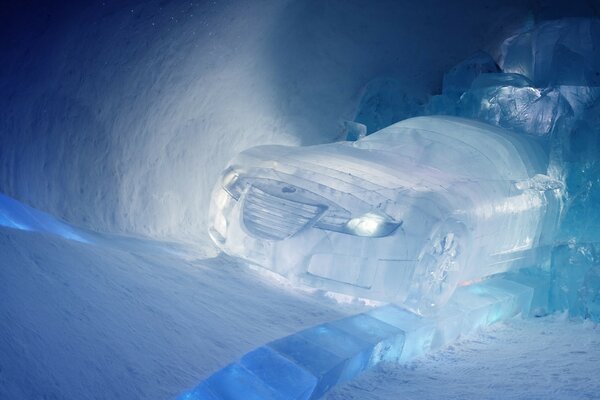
column 562, row 54
column 391, row 216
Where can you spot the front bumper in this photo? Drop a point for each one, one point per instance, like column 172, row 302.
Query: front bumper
column 375, row 268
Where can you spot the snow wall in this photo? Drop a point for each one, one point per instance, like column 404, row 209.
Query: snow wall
column 119, row 115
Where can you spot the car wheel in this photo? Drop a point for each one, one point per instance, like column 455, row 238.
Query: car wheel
column 439, row 268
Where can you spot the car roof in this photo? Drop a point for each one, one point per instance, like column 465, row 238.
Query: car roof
column 461, row 146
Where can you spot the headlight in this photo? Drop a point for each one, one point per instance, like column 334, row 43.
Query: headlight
column 230, row 181
column 371, row 224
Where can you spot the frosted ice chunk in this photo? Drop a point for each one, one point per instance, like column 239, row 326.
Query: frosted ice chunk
column 562, row 54
column 386, row 340
column 515, row 298
column 327, row 367
column 338, row 351
column 495, row 100
column 581, row 165
column 576, row 279
column 459, row 79
column 418, row 331
column 357, row 352
column 285, row 377
column 540, row 281
column 480, row 304
column 233, row 382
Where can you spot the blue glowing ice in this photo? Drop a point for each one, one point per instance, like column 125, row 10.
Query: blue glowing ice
column 509, row 101
column 14, row 214
column 562, row 54
column 307, row 364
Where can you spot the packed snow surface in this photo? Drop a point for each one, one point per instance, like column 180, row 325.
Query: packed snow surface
column 121, row 318
column 531, row 359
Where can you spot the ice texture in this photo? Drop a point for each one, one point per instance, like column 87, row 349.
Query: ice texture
column 391, row 216
column 507, row 100
column 580, row 160
column 459, row 79
column 562, row 54
column 576, row 273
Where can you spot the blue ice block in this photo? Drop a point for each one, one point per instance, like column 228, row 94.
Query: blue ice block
column 200, row 392
column 284, row 376
column 449, row 326
column 516, row 298
column 235, row 382
column 387, row 340
column 356, row 351
column 575, row 279
column 325, row 366
column 418, row 331
column 476, row 307
column 540, row 281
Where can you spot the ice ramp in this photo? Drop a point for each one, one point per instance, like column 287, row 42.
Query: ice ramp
column 306, row 364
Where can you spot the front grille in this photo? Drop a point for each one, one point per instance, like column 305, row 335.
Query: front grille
column 275, row 218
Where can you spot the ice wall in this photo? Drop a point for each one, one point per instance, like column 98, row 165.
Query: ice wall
column 118, row 115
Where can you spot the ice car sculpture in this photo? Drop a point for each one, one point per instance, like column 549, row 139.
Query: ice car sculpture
column 392, row 216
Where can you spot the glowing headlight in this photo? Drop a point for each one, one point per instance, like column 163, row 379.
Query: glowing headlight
column 369, row 225
column 230, row 181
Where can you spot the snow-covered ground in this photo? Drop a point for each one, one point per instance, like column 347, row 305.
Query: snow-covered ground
column 531, row 359
column 122, row 318
column 128, row 319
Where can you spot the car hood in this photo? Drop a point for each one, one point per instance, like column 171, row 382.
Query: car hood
column 346, row 168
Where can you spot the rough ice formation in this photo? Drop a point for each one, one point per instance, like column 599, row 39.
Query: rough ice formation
column 562, row 62
column 562, row 54
column 576, row 259
column 576, row 277
column 510, row 101
column 391, row 216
